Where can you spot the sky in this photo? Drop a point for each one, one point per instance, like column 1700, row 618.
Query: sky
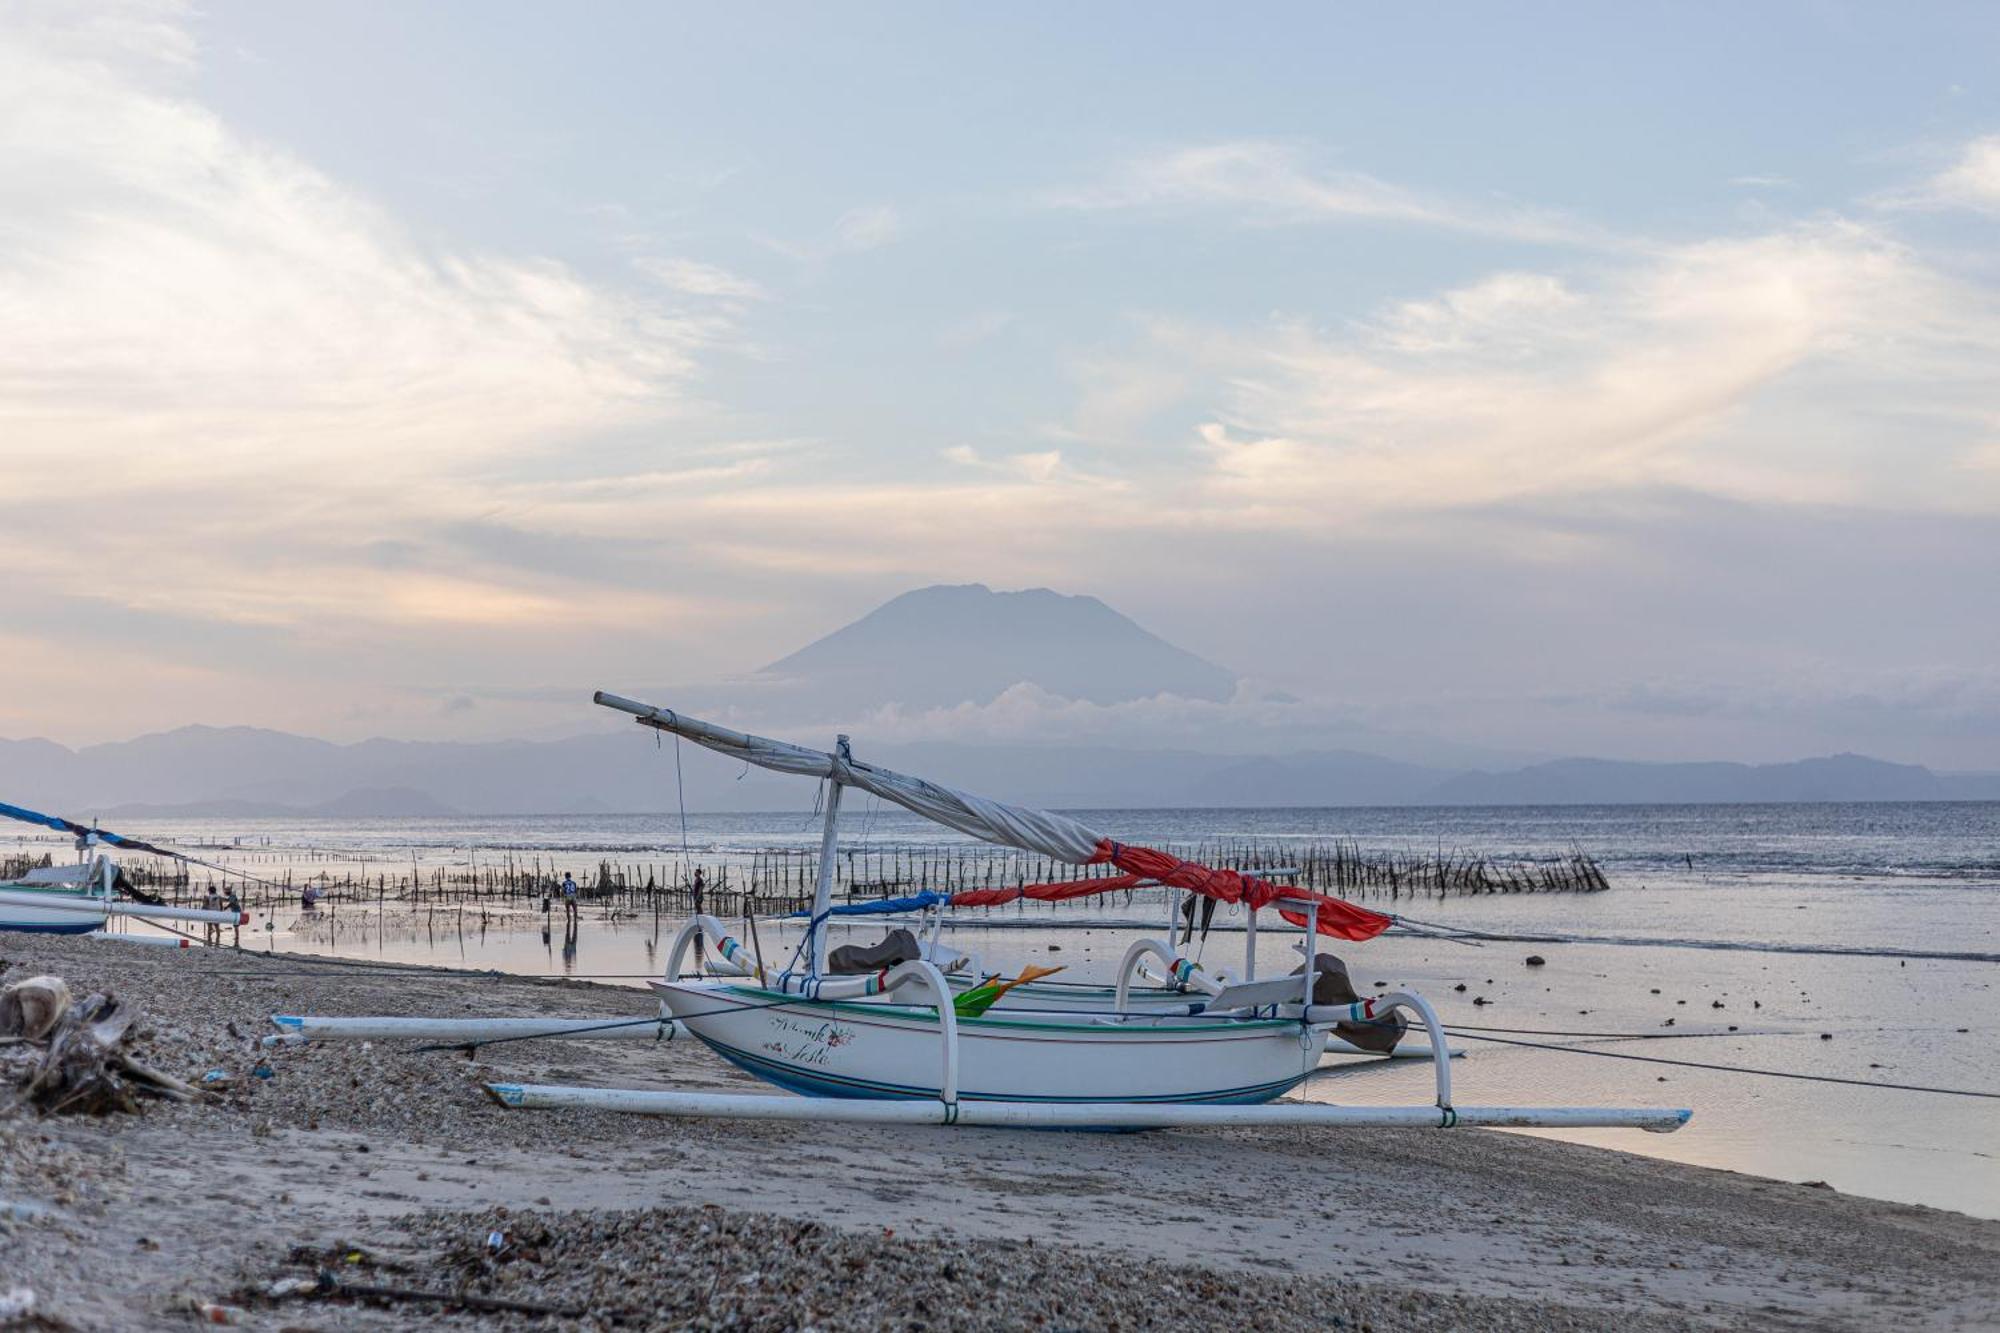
column 1560, row 379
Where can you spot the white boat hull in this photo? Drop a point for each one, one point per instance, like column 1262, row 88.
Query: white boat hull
column 870, row 1049
column 58, row 910
column 1036, row 1000
column 51, row 910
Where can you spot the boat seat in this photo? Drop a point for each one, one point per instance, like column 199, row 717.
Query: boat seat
column 1331, row 985
column 898, row 946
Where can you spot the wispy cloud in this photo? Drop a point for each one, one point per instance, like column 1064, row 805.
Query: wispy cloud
column 1970, row 181
column 691, row 277
column 1262, row 183
column 860, row 229
column 164, row 278
column 868, row 228
column 1758, row 368
column 1973, row 181
column 242, row 376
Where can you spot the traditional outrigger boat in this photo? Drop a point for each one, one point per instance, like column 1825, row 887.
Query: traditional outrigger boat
column 76, row 899
column 891, row 1044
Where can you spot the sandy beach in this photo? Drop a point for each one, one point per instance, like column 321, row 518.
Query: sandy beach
column 391, row 1167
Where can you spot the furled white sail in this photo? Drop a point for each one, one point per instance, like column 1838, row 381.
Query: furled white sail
column 1041, row 831
column 1056, row 836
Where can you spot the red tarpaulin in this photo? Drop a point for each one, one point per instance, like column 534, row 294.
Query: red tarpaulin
column 1338, row 918
column 1143, row 865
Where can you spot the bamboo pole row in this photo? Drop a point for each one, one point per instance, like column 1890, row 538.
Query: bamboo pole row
column 782, row 879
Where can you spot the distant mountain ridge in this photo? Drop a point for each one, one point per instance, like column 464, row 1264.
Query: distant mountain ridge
column 361, row 803
column 938, row 647
column 243, row 772
column 1841, row 777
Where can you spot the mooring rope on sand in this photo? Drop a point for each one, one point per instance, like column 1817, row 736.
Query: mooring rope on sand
column 1728, row 1069
column 1437, row 930
column 1648, row 1036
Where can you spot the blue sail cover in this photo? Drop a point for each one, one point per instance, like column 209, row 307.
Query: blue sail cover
column 882, row 907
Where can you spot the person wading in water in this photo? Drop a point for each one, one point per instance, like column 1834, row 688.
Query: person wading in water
column 212, row 932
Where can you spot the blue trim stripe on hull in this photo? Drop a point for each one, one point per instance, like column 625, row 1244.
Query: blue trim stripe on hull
column 796, row 1080
column 78, row 928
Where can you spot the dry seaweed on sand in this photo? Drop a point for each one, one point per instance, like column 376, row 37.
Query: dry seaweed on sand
column 707, row 1267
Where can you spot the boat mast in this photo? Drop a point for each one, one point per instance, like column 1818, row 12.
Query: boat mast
column 829, row 846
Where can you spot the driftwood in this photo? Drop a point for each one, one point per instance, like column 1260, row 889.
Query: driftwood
column 464, row 1300
column 63, row 1056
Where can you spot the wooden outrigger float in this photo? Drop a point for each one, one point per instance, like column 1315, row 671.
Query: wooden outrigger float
column 890, row 1045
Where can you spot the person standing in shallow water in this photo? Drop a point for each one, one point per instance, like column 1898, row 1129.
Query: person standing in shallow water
column 569, row 895
column 234, row 906
column 212, row 932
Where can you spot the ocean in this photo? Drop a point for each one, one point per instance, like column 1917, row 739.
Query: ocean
column 1896, row 882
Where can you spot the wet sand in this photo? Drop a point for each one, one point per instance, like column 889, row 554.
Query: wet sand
column 398, row 1156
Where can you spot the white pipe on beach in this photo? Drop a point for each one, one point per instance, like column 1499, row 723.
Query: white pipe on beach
column 165, row 942
column 147, row 912
column 94, row 906
column 1081, row 1115
column 1404, row 1050
column 474, row 1031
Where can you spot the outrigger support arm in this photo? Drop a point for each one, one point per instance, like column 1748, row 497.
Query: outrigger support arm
column 1182, row 973
column 731, row 956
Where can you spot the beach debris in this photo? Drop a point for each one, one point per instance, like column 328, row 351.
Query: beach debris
column 17, row 1302
column 210, row 1312
column 1536, row 960
column 58, row 1054
column 328, row 1284
column 31, row 1008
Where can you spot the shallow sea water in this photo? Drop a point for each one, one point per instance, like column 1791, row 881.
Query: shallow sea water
column 1891, row 877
